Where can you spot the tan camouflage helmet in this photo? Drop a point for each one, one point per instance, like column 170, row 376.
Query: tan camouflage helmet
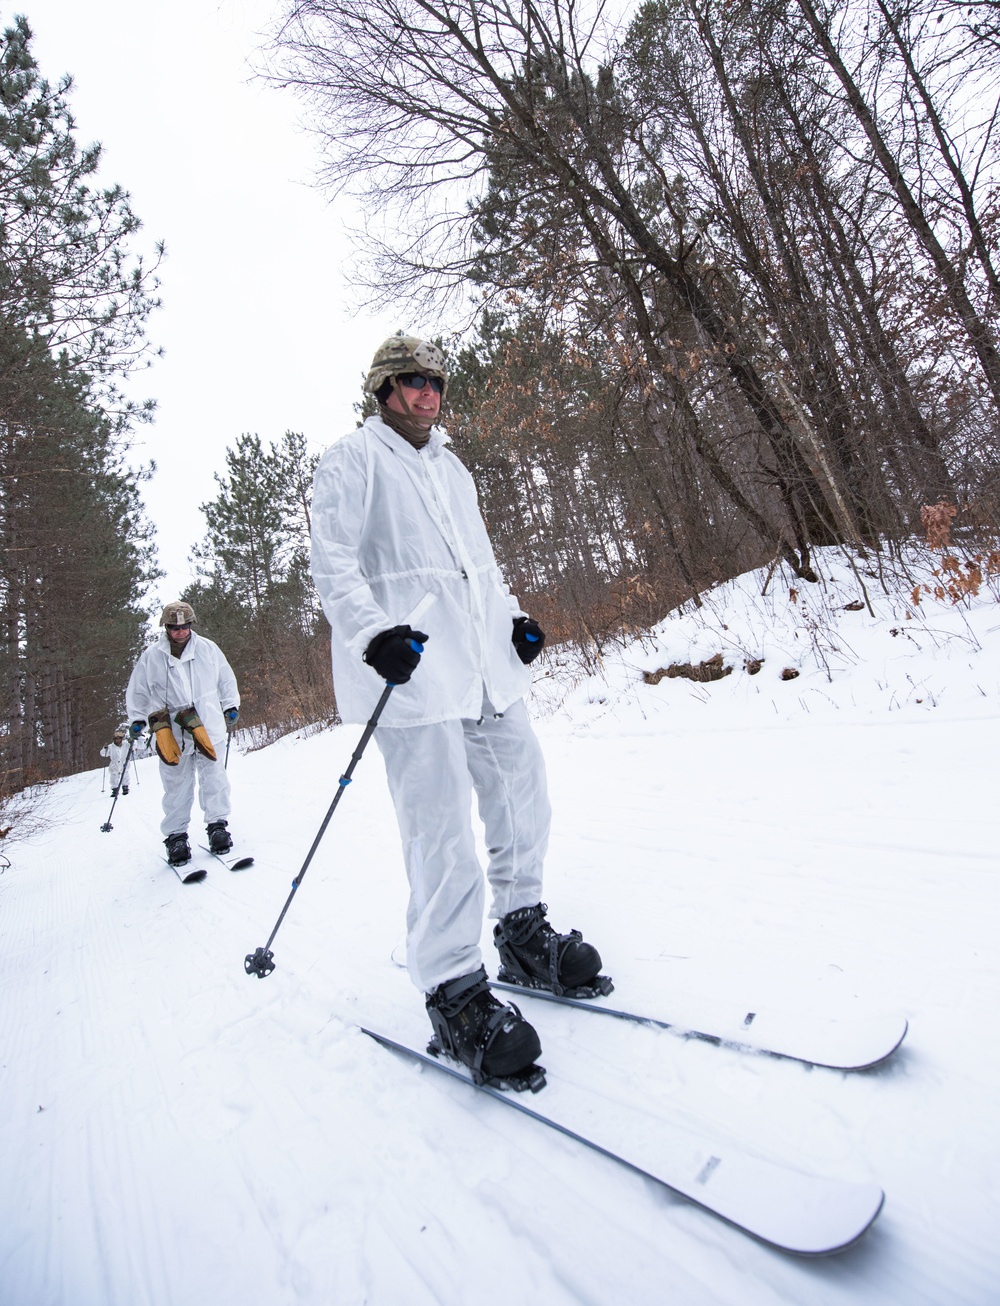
column 177, row 614
column 401, row 354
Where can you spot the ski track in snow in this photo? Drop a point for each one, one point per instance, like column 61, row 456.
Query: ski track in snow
column 175, row 1132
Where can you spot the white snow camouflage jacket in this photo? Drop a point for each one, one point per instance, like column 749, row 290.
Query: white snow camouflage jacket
column 201, row 677
column 395, row 529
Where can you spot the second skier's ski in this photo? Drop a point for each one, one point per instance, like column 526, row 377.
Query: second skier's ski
column 232, row 863
column 186, row 873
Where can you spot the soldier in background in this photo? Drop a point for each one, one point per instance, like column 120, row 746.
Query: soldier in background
column 185, row 690
column 116, row 752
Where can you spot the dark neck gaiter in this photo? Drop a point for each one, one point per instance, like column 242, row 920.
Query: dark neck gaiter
column 414, row 431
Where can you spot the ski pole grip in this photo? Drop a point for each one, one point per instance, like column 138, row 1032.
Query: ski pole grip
column 415, row 645
column 533, row 639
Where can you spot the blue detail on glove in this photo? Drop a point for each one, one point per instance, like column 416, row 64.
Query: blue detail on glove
column 528, row 639
column 395, row 653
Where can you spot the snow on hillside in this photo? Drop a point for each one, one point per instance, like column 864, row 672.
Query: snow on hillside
column 176, row 1133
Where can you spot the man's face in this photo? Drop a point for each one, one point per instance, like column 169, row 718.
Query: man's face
column 179, row 634
column 423, row 394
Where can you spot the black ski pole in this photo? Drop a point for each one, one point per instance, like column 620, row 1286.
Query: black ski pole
column 261, row 962
column 229, row 740
column 124, row 776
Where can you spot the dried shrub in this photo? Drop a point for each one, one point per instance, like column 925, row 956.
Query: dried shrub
column 957, row 579
column 936, row 519
column 711, row 669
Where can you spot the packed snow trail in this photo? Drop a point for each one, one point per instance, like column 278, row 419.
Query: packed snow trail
column 174, row 1131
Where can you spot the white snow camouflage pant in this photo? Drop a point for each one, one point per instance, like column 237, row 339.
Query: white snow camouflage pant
column 432, row 771
column 178, row 788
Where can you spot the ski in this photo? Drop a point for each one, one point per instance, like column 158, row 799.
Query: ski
column 789, row 1209
column 233, row 863
column 838, row 1043
column 186, row 873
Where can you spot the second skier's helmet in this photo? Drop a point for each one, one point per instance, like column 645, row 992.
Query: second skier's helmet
column 401, row 354
column 177, row 614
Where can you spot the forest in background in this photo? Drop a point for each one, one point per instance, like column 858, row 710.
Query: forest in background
column 76, row 552
column 731, row 269
column 718, row 283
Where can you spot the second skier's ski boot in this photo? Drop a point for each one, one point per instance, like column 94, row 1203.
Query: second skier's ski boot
column 178, row 849
column 533, row 955
column 493, row 1040
column 219, row 838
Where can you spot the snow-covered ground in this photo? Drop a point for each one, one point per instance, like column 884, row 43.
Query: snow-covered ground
column 176, row 1133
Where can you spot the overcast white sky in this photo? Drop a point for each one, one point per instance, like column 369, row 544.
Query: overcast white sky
column 260, row 330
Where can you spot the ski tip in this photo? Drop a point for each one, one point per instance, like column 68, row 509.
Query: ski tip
column 231, row 863
column 193, row 877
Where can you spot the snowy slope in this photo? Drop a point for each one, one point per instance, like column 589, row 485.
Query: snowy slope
column 176, row 1133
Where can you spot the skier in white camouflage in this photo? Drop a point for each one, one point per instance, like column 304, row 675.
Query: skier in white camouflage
column 116, row 753
column 185, row 690
column 397, row 531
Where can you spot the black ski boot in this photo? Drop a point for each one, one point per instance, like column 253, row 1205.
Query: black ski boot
column 533, row 955
column 124, row 790
column 178, row 849
column 219, row 838
column 474, row 1028
column 114, row 792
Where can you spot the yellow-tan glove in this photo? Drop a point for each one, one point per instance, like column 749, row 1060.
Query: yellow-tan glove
column 188, row 719
column 163, row 737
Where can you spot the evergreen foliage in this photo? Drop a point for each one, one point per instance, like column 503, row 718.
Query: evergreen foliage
column 255, row 595
column 75, row 551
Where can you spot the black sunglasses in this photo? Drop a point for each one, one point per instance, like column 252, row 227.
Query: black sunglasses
column 416, row 381
column 186, row 626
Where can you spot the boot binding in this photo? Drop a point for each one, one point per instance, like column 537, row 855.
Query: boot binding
column 517, row 930
column 600, row 988
column 470, row 1041
column 531, row 1078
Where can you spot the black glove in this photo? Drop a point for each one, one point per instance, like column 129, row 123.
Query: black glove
column 528, row 639
column 136, row 729
column 392, row 654
column 232, row 715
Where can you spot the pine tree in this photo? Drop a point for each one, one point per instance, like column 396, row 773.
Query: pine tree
column 75, row 552
column 254, row 595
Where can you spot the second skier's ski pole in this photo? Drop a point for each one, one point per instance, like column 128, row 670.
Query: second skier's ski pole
column 232, row 716
column 124, row 776
column 261, row 962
